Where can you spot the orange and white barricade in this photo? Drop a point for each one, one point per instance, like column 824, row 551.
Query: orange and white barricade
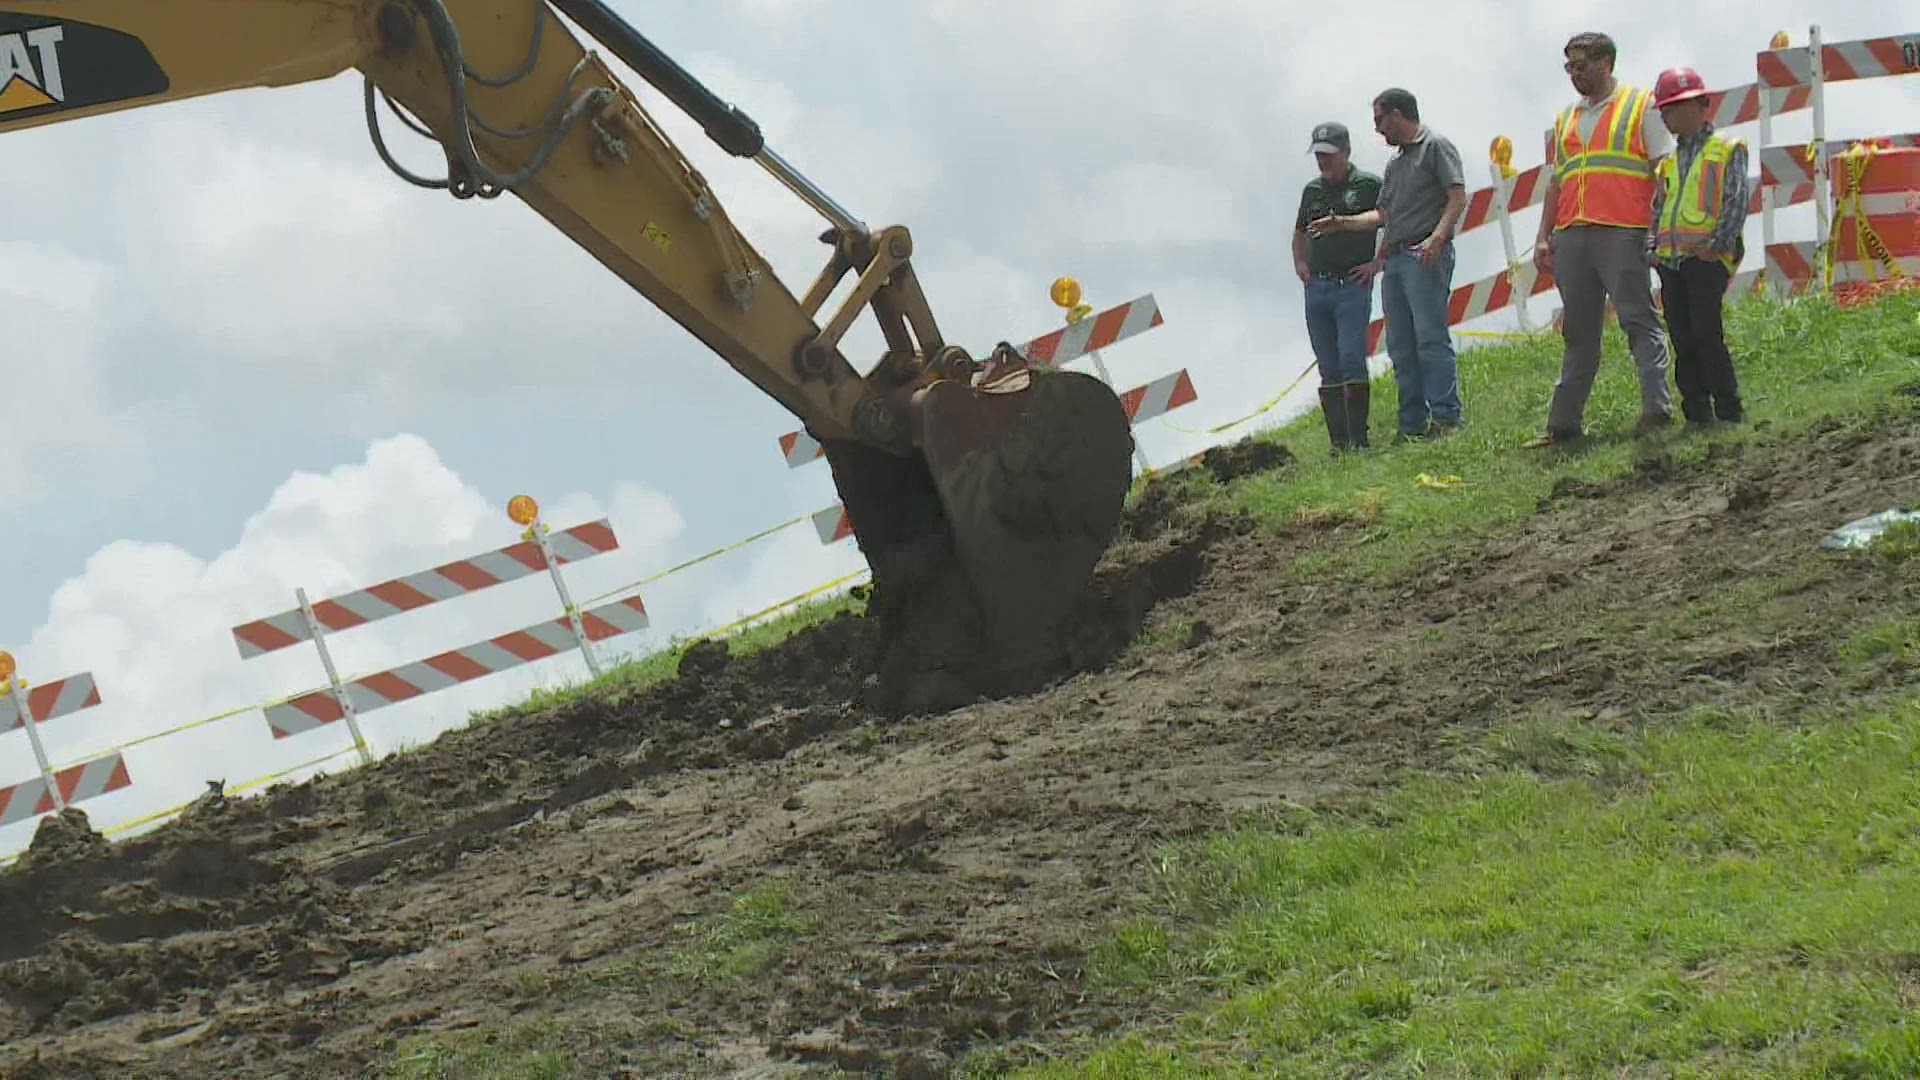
column 409, row 681
column 538, row 550
column 1810, row 68
column 1080, row 337
column 25, row 707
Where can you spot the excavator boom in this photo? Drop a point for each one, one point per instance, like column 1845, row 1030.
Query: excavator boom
column 981, row 493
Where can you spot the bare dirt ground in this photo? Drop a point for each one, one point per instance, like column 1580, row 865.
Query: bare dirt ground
column 944, row 876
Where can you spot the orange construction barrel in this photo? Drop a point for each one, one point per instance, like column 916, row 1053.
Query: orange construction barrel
column 1882, row 187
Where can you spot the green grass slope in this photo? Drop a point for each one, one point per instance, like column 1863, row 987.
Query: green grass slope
column 1730, row 892
column 1797, row 362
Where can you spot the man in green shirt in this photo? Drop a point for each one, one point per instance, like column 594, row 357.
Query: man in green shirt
column 1337, row 269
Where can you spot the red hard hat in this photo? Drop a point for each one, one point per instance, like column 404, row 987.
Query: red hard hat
column 1677, row 84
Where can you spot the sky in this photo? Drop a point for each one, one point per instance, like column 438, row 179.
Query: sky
column 245, row 358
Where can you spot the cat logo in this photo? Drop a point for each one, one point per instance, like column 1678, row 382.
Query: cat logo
column 30, row 69
column 53, row 66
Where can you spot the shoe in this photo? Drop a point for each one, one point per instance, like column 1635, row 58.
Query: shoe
column 1652, row 422
column 1555, row 438
column 1333, row 406
column 1359, row 399
column 1424, row 433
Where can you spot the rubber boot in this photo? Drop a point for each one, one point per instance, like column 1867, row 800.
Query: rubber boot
column 1333, row 405
column 1358, row 398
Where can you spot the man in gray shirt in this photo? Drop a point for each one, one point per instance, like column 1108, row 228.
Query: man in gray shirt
column 1422, row 195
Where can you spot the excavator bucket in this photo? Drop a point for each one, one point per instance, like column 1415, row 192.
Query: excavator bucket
column 983, row 542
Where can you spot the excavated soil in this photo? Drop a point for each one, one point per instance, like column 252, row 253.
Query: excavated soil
column 944, row 876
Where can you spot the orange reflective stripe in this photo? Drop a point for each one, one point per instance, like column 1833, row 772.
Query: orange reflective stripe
column 1712, row 184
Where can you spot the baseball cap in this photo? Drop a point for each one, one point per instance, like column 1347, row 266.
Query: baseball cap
column 1330, row 137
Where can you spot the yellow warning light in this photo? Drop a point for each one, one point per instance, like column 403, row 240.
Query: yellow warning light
column 1501, row 154
column 6, row 665
column 523, row 510
column 1065, row 292
column 1780, row 41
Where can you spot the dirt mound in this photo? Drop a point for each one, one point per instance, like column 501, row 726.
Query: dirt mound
column 1245, row 458
column 219, row 903
column 830, row 677
column 63, row 837
column 183, row 918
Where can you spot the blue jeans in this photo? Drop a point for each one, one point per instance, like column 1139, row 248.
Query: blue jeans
column 1337, row 314
column 1413, row 300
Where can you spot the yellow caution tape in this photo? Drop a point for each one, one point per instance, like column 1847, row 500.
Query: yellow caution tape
column 161, row 815
column 698, row 559
column 129, row 826
column 1271, row 404
column 1868, row 247
column 1439, row 483
column 1274, row 402
column 793, row 601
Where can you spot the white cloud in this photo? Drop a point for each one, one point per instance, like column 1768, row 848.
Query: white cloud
column 56, row 392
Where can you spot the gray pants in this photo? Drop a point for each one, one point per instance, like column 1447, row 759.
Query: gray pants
column 1592, row 264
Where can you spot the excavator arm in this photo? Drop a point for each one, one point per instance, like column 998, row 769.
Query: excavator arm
column 983, row 490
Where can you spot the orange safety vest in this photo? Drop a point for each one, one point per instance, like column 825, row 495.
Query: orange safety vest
column 1608, row 181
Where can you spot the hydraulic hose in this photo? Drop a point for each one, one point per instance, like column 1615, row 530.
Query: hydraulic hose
column 734, row 131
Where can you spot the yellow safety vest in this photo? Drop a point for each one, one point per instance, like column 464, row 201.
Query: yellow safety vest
column 1690, row 209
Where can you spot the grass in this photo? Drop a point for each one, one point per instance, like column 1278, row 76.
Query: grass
column 745, row 940
column 1722, row 897
column 1891, row 641
column 1797, row 363
column 529, row 1052
column 748, row 938
column 1900, row 542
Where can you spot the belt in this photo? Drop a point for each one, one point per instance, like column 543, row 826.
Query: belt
column 1330, row 275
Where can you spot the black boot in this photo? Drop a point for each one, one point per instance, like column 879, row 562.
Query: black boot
column 1333, row 405
column 1358, row 396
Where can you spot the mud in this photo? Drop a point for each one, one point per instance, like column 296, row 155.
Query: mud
column 946, row 874
column 979, row 545
column 1244, row 458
